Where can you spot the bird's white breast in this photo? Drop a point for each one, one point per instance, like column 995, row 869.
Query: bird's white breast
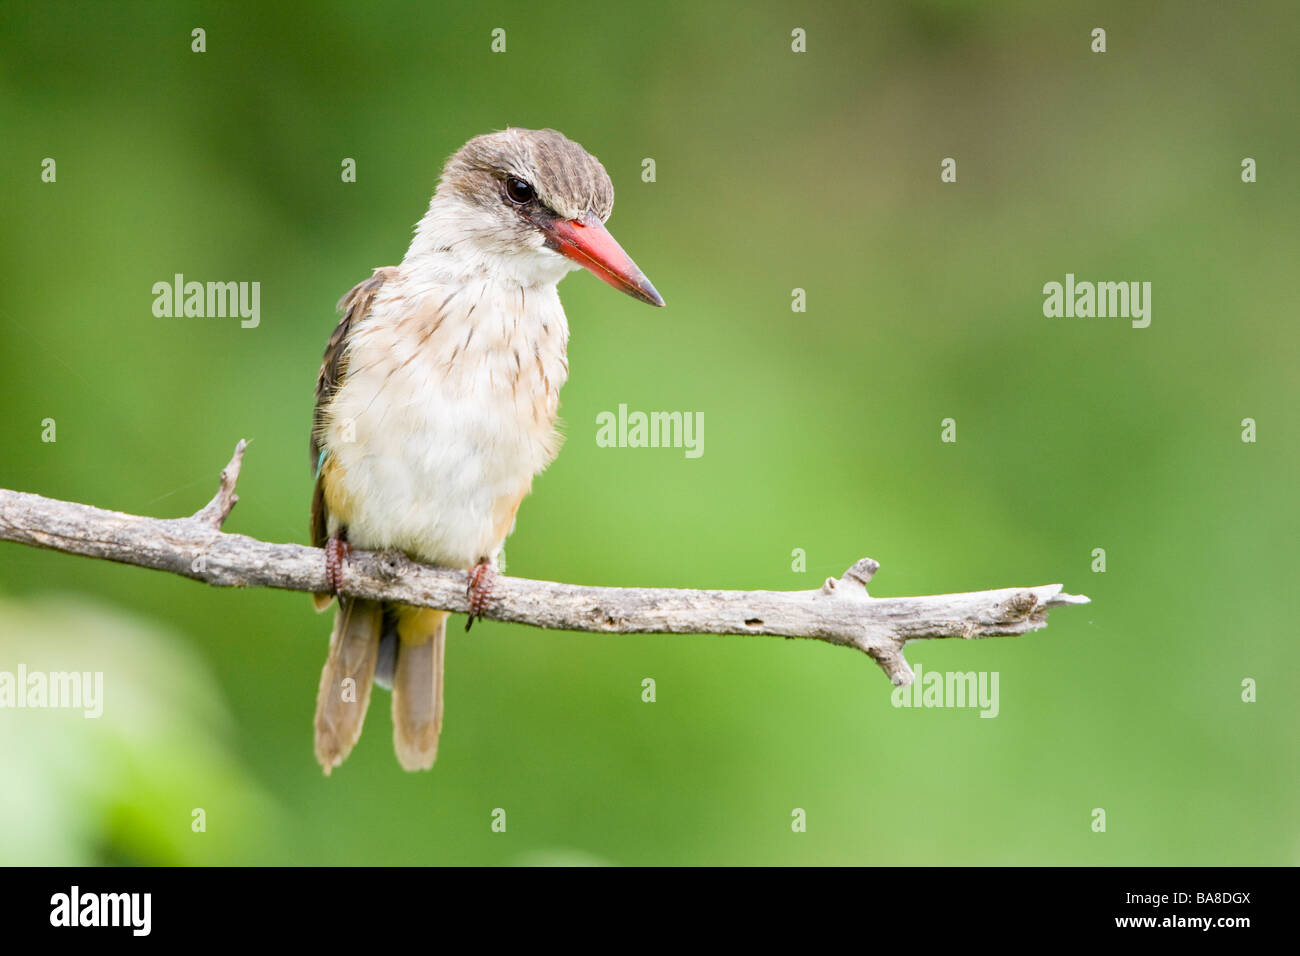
column 446, row 412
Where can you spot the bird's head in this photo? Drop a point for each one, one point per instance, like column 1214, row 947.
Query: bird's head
column 530, row 205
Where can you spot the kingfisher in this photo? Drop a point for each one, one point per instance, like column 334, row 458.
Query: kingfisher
column 436, row 407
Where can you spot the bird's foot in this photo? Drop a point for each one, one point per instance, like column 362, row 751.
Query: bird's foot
column 481, row 578
column 337, row 550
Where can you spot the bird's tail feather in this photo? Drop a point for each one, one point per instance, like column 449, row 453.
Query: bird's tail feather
column 341, row 707
column 417, row 687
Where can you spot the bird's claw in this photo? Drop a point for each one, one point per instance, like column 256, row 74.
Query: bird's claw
column 336, row 552
column 481, row 578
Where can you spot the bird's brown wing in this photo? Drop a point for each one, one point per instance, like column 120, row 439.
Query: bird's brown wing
column 354, row 307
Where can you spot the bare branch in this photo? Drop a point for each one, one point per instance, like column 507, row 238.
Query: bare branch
column 216, row 511
column 839, row 612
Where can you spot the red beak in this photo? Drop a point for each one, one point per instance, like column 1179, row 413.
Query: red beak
column 588, row 243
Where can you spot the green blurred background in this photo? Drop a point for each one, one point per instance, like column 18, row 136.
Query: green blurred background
column 775, row 170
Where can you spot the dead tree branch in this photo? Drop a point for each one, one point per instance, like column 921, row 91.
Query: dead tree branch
column 839, row 612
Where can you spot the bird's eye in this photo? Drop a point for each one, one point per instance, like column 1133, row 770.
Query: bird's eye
column 519, row 191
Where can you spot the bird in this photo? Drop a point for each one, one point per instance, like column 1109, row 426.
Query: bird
column 436, row 406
